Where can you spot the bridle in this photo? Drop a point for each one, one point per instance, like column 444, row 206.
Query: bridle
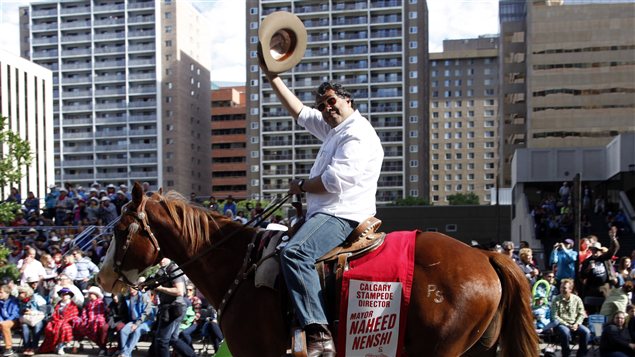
column 141, row 217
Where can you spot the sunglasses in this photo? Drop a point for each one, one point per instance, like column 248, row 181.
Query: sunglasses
column 330, row 101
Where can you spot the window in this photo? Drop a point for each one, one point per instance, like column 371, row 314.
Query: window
column 489, row 123
column 414, row 163
column 488, row 134
column 413, row 29
column 489, row 176
column 413, row 74
column 435, row 166
column 458, row 156
column 412, row 15
column 488, row 102
column 488, row 144
column 253, row 25
column 253, row 96
column 435, row 187
column 470, row 92
column 414, row 178
column 412, row 44
column 488, row 113
column 253, row 39
column 168, row 29
column 254, row 140
column 168, row 99
column 435, row 104
column 448, row 156
column 435, row 125
column 255, row 154
column 168, row 43
column 253, row 11
column 435, row 114
column 435, row 146
column 255, row 168
column 470, row 155
column 168, row 57
column 413, row 118
column 433, row 73
column 457, row 82
column 488, row 165
column 488, row 155
column 487, row 82
column 254, row 82
column 450, row 228
column 470, row 187
column 435, row 177
column 414, row 89
column 415, row 148
column 470, row 166
column 168, row 15
column 414, row 104
column 489, row 91
column 470, row 177
column 434, row 84
column 458, row 145
column 414, row 133
column 413, row 59
column 458, row 167
column 487, row 71
column 254, row 125
column 447, row 82
column 469, row 82
column 253, row 68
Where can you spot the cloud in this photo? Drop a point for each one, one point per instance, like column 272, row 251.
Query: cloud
column 448, row 19
column 456, row 19
column 10, row 25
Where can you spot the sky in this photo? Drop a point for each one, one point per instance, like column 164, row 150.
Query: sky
column 448, row 19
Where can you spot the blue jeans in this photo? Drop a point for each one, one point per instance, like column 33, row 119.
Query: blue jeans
column 31, row 335
column 211, row 330
column 316, row 237
column 128, row 339
column 564, row 333
column 168, row 334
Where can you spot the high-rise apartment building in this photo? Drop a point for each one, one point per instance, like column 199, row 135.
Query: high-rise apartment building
column 229, row 155
column 463, row 119
column 26, row 101
column 567, row 74
column 379, row 51
column 131, row 90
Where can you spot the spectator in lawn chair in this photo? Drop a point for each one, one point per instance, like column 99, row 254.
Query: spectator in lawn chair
column 64, row 281
column 567, row 313
column 33, row 310
column 86, row 269
column 141, row 316
column 59, row 329
column 9, row 314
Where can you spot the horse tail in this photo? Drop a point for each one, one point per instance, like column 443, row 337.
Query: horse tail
column 518, row 335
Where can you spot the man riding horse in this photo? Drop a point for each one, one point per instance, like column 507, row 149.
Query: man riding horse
column 340, row 193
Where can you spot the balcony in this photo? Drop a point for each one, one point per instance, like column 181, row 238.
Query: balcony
column 141, row 62
column 151, row 146
column 107, row 148
column 75, row 163
column 141, row 48
column 76, row 94
column 76, row 149
column 75, row 10
column 142, row 90
column 110, row 92
column 76, row 66
column 109, row 49
column 143, row 160
column 109, row 8
column 142, row 76
column 108, row 22
column 75, row 177
column 43, row 13
column 75, row 38
column 77, row 108
column 141, row 5
column 146, row 132
column 109, row 36
column 141, row 19
column 111, row 133
column 141, row 33
column 44, row 27
column 82, row 121
column 109, row 64
column 74, row 25
column 44, row 40
column 112, row 78
column 142, row 118
column 76, row 80
column 118, row 162
column 83, row 135
column 148, row 104
column 45, row 54
column 109, row 106
column 76, row 52
column 110, row 120
column 143, row 174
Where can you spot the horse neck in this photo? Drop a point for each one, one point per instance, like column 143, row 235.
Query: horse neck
column 214, row 272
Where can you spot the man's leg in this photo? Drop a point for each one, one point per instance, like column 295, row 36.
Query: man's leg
column 584, row 335
column 163, row 335
column 316, row 237
column 6, row 333
column 564, row 333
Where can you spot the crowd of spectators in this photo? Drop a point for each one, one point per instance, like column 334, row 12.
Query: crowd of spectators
column 53, row 302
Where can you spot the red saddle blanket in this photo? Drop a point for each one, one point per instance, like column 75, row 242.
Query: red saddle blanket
column 375, row 298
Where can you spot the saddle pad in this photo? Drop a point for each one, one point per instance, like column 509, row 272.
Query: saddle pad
column 375, row 298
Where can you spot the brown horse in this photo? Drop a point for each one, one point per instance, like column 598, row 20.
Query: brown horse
column 480, row 300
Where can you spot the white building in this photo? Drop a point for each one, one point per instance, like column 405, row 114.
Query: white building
column 26, row 99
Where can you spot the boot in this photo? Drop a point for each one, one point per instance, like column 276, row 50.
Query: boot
column 319, row 341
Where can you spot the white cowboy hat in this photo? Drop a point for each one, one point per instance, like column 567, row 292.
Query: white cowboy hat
column 283, row 41
column 94, row 290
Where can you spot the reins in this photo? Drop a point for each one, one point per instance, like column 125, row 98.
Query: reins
column 255, row 221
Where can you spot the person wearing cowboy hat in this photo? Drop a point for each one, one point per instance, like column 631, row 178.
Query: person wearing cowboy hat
column 93, row 323
column 31, row 303
column 107, row 212
column 597, row 270
column 59, row 330
column 340, row 192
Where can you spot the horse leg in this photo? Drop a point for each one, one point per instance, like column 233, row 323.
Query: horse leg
column 486, row 345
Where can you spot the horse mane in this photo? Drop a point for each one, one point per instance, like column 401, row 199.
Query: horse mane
column 192, row 221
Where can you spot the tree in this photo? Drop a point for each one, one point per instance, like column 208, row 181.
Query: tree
column 459, row 199
column 15, row 156
column 6, row 269
column 411, row 201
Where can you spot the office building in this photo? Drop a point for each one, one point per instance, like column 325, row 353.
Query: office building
column 229, row 154
column 567, row 77
column 463, row 119
column 26, row 101
column 131, row 90
column 376, row 49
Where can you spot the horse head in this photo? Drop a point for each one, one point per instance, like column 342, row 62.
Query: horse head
column 133, row 248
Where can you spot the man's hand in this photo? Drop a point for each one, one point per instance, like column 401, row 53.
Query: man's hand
column 262, row 64
column 133, row 327
column 294, row 187
column 574, row 327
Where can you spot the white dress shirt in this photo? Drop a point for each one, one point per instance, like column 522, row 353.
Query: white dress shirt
column 349, row 162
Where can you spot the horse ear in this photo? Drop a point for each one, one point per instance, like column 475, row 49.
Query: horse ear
column 160, row 190
column 137, row 193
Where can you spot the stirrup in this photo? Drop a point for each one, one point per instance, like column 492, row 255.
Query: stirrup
column 298, row 342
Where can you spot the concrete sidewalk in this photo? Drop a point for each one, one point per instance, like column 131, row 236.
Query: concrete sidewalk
column 90, row 349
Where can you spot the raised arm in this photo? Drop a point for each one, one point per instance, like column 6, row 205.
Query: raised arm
column 287, row 98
